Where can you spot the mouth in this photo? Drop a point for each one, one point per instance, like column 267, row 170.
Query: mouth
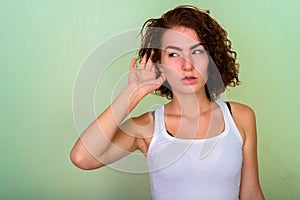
column 189, row 79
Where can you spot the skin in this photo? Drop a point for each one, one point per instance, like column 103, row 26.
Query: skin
column 106, row 140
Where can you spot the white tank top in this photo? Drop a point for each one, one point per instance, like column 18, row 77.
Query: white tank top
column 186, row 169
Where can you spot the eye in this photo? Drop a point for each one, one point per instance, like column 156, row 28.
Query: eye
column 198, row 51
column 173, row 55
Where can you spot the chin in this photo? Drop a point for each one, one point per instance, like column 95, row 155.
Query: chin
column 189, row 90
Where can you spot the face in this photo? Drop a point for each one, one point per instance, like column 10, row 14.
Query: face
column 185, row 60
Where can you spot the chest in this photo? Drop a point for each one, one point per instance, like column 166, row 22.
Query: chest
column 215, row 159
column 199, row 127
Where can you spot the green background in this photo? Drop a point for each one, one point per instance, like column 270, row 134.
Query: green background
column 42, row 46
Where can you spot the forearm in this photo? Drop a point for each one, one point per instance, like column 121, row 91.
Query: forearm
column 96, row 139
column 254, row 195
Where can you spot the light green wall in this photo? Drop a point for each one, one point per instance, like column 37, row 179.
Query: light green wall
column 43, row 44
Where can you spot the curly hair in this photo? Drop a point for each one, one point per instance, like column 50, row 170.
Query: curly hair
column 222, row 70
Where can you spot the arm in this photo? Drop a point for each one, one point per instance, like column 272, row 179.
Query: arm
column 104, row 142
column 245, row 120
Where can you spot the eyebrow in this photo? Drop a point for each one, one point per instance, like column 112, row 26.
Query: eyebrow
column 179, row 49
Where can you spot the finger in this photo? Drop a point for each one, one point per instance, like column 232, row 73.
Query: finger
column 132, row 63
column 143, row 61
column 162, row 76
column 150, row 65
column 162, row 73
column 159, row 81
column 160, row 67
column 156, row 69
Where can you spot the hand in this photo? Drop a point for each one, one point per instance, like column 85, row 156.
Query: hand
column 146, row 77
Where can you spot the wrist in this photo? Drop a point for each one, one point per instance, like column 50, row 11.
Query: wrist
column 134, row 94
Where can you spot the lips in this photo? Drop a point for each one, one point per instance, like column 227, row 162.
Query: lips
column 189, row 79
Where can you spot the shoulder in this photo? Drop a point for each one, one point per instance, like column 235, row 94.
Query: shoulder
column 144, row 128
column 143, row 119
column 136, row 125
column 244, row 118
column 141, row 126
column 242, row 110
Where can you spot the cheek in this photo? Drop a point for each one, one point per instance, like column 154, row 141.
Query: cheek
column 171, row 67
column 171, row 73
column 202, row 67
column 203, row 70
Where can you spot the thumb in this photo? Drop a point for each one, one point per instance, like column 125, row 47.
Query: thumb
column 132, row 63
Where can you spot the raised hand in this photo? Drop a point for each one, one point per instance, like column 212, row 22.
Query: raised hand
column 146, row 77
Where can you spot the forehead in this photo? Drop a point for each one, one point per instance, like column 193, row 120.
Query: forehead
column 180, row 36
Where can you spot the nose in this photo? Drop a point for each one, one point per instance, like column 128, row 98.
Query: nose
column 186, row 64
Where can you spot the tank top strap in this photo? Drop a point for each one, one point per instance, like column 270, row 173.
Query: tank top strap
column 158, row 116
column 228, row 120
column 159, row 119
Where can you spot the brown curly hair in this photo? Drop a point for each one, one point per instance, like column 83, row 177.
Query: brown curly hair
column 222, row 70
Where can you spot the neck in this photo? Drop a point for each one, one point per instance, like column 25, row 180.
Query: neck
column 189, row 104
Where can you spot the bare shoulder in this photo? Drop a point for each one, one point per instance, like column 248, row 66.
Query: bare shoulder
column 144, row 130
column 244, row 117
column 143, row 119
column 242, row 110
column 141, row 126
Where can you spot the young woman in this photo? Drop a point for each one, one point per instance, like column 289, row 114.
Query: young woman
column 196, row 146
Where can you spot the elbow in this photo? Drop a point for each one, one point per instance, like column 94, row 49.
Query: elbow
column 77, row 160
column 84, row 162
